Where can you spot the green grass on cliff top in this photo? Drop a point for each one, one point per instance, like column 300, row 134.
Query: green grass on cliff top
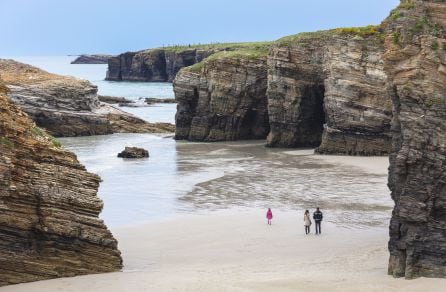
column 250, row 51
column 364, row 32
column 260, row 49
column 216, row 46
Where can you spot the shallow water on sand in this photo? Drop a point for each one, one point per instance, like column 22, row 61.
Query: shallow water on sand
column 182, row 177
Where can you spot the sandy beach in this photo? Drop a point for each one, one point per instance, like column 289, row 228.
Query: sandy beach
column 235, row 250
column 240, row 252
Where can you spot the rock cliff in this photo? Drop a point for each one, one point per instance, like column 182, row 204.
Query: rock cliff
column 156, row 65
column 162, row 64
column 325, row 89
column 92, row 59
column 415, row 61
column 49, row 225
column 223, row 99
column 67, row 106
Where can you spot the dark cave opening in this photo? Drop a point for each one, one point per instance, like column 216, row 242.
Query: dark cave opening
column 311, row 117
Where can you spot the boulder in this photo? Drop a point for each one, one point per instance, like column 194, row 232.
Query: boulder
column 133, row 152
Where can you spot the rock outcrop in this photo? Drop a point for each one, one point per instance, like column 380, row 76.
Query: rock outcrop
column 325, row 89
column 156, row 65
column 49, row 224
column 67, row 106
column 113, row 99
column 133, row 152
column 92, row 59
column 154, row 100
column 223, row 99
column 415, row 58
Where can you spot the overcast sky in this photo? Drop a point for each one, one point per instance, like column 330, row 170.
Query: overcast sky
column 60, row 27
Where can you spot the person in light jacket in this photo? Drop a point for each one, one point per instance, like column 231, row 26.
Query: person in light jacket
column 307, row 221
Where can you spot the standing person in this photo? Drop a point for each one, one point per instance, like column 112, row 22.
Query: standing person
column 307, row 221
column 318, row 216
column 269, row 216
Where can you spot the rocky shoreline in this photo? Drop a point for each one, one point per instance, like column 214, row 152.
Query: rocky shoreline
column 49, row 209
column 66, row 106
column 359, row 91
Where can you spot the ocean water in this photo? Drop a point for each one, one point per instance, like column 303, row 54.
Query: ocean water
column 182, row 178
column 95, row 73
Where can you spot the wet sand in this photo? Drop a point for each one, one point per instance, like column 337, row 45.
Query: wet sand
column 235, row 250
column 232, row 251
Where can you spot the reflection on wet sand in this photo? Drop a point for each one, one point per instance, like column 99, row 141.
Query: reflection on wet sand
column 258, row 177
column 183, row 177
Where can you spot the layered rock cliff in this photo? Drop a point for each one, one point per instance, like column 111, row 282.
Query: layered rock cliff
column 49, row 225
column 223, row 99
column 325, row 89
column 92, row 59
column 415, row 61
column 156, row 65
column 67, row 106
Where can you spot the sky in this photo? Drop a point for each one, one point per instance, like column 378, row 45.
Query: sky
column 61, row 27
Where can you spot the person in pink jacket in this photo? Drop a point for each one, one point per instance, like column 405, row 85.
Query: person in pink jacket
column 269, row 216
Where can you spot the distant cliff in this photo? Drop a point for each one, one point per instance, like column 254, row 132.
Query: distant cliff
column 49, row 209
column 162, row 64
column 92, row 59
column 67, row 106
column 156, row 65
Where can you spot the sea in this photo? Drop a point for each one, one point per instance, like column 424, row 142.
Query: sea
column 183, row 177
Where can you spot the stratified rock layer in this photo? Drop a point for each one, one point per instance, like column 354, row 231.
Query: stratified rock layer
column 223, row 101
column 416, row 65
column 49, row 225
column 66, row 106
column 328, row 89
column 156, row 65
column 325, row 89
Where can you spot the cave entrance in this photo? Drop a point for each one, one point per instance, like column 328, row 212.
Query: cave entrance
column 255, row 124
column 311, row 117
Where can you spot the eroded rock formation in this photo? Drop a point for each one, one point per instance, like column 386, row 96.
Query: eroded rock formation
column 49, row 225
column 325, row 89
column 156, row 65
column 67, row 106
column 224, row 100
column 415, row 59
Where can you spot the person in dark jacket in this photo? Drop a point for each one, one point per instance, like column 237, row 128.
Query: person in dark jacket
column 318, row 216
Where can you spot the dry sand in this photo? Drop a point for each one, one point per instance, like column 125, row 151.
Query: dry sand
column 237, row 251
